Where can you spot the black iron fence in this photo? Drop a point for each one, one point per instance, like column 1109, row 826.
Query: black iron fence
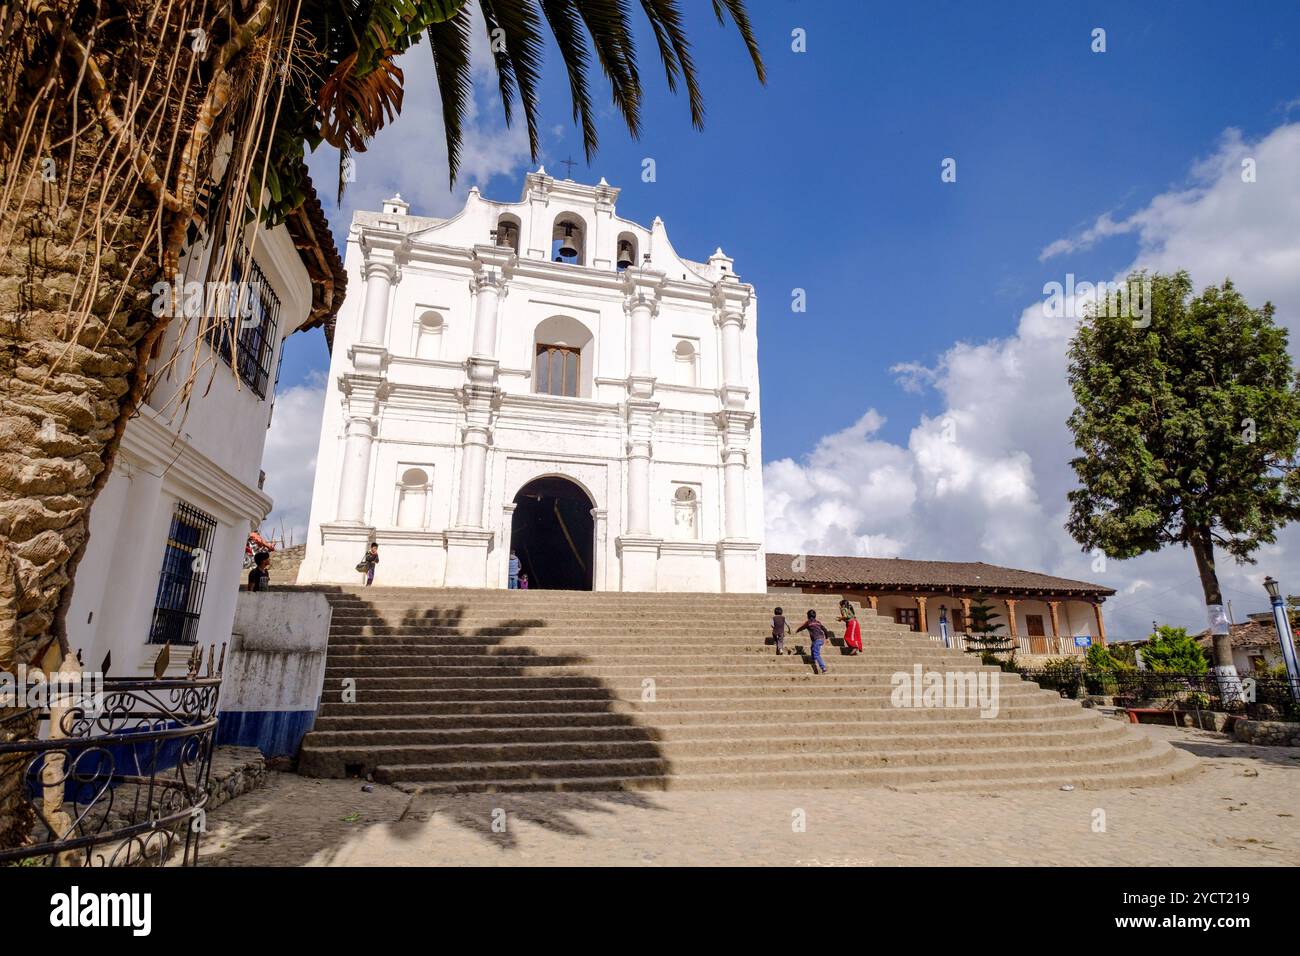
column 123, row 783
column 1191, row 691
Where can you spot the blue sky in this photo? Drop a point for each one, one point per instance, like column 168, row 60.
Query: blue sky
column 828, row 179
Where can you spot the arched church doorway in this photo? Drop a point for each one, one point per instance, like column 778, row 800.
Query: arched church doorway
column 552, row 533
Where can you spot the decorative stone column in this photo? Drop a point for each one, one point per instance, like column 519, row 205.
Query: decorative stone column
column 493, row 267
column 600, row 523
column 355, row 474
column 380, row 272
column 538, row 189
column 730, row 302
column 638, row 547
column 507, row 536
column 469, row 542
column 738, row 553
column 642, row 289
column 473, row 474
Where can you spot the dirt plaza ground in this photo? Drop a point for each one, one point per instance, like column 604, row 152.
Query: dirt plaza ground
column 1241, row 809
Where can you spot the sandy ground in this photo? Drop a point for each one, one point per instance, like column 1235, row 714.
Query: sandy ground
column 1241, row 809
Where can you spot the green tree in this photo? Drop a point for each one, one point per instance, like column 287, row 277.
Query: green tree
column 1173, row 649
column 1188, row 428
column 982, row 629
column 130, row 125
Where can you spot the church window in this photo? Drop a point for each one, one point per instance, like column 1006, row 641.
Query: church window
column 183, row 577
column 243, row 330
column 557, row 370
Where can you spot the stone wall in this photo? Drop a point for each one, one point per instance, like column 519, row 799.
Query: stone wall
column 1268, row 733
column 275, row 670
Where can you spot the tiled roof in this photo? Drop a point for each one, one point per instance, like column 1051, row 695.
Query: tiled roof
column 902, row 573
column 310, row 231
column 1250, row 634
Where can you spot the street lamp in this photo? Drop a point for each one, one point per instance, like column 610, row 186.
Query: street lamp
column 1282, row 620
column 943, row 624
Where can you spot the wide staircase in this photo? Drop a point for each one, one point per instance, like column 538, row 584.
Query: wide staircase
column 461, row 690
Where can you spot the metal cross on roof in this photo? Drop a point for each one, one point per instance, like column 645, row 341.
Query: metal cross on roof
column 569, row 163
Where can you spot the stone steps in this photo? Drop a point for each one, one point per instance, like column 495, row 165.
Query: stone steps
column 490, row 690
column 724, row 755
column 1137, row 772
column 1142, row 768
column 338, row 731
column 417, row 701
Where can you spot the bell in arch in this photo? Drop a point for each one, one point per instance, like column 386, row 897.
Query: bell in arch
column 624, row 255
column 568, row 248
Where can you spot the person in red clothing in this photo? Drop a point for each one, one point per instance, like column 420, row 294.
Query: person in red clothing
column 852, row 630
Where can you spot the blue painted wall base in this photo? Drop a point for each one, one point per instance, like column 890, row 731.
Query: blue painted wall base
column 277, row 733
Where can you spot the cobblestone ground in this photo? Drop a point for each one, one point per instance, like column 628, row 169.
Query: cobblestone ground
column 1241, row 809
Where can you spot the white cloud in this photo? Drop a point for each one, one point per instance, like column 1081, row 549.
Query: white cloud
column 289, row 459
column 986, row 480
column 410, row 153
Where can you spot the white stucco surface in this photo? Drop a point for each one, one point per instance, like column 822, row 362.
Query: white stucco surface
column 434, row 421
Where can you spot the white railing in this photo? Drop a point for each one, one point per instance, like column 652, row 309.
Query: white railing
column 1049, row 646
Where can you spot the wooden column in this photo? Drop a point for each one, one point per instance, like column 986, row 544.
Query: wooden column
column 921, row 623
column 1101, row 625
column 1056, row 626
column 872, row 599
column 965, row 614
column 1011, row 623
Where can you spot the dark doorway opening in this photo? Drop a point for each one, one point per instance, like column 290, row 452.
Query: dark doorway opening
column 552, row 532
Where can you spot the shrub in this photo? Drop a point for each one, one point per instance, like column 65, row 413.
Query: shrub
column 1102, row 658
column 1174, row 650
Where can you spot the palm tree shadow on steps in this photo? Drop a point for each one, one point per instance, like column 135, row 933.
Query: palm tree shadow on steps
column 452, row 733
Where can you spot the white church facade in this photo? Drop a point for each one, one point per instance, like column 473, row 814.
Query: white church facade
column 545, row 378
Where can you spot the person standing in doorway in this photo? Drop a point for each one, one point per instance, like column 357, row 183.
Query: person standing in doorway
column 817, row 632
column 372, row 558
column 514, row 570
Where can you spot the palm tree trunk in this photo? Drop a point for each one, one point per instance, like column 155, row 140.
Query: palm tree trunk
column 80, row 252
column 59, row 429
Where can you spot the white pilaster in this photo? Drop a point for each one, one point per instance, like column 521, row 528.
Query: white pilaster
column 355, row 476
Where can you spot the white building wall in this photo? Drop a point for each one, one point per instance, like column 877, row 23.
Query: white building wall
column 204, row 449
column 471, row 418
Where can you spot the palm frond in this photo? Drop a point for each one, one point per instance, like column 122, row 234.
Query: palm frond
column 520, row 65
column 566, row 26
column 736, row 10
column 449, row 41
column 675, row 51
column 609, row 26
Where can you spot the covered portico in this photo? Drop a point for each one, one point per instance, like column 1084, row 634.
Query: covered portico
column 1043, row 615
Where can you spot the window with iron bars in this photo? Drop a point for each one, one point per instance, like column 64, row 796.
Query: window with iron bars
column 256, row 335
column 184, row 575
